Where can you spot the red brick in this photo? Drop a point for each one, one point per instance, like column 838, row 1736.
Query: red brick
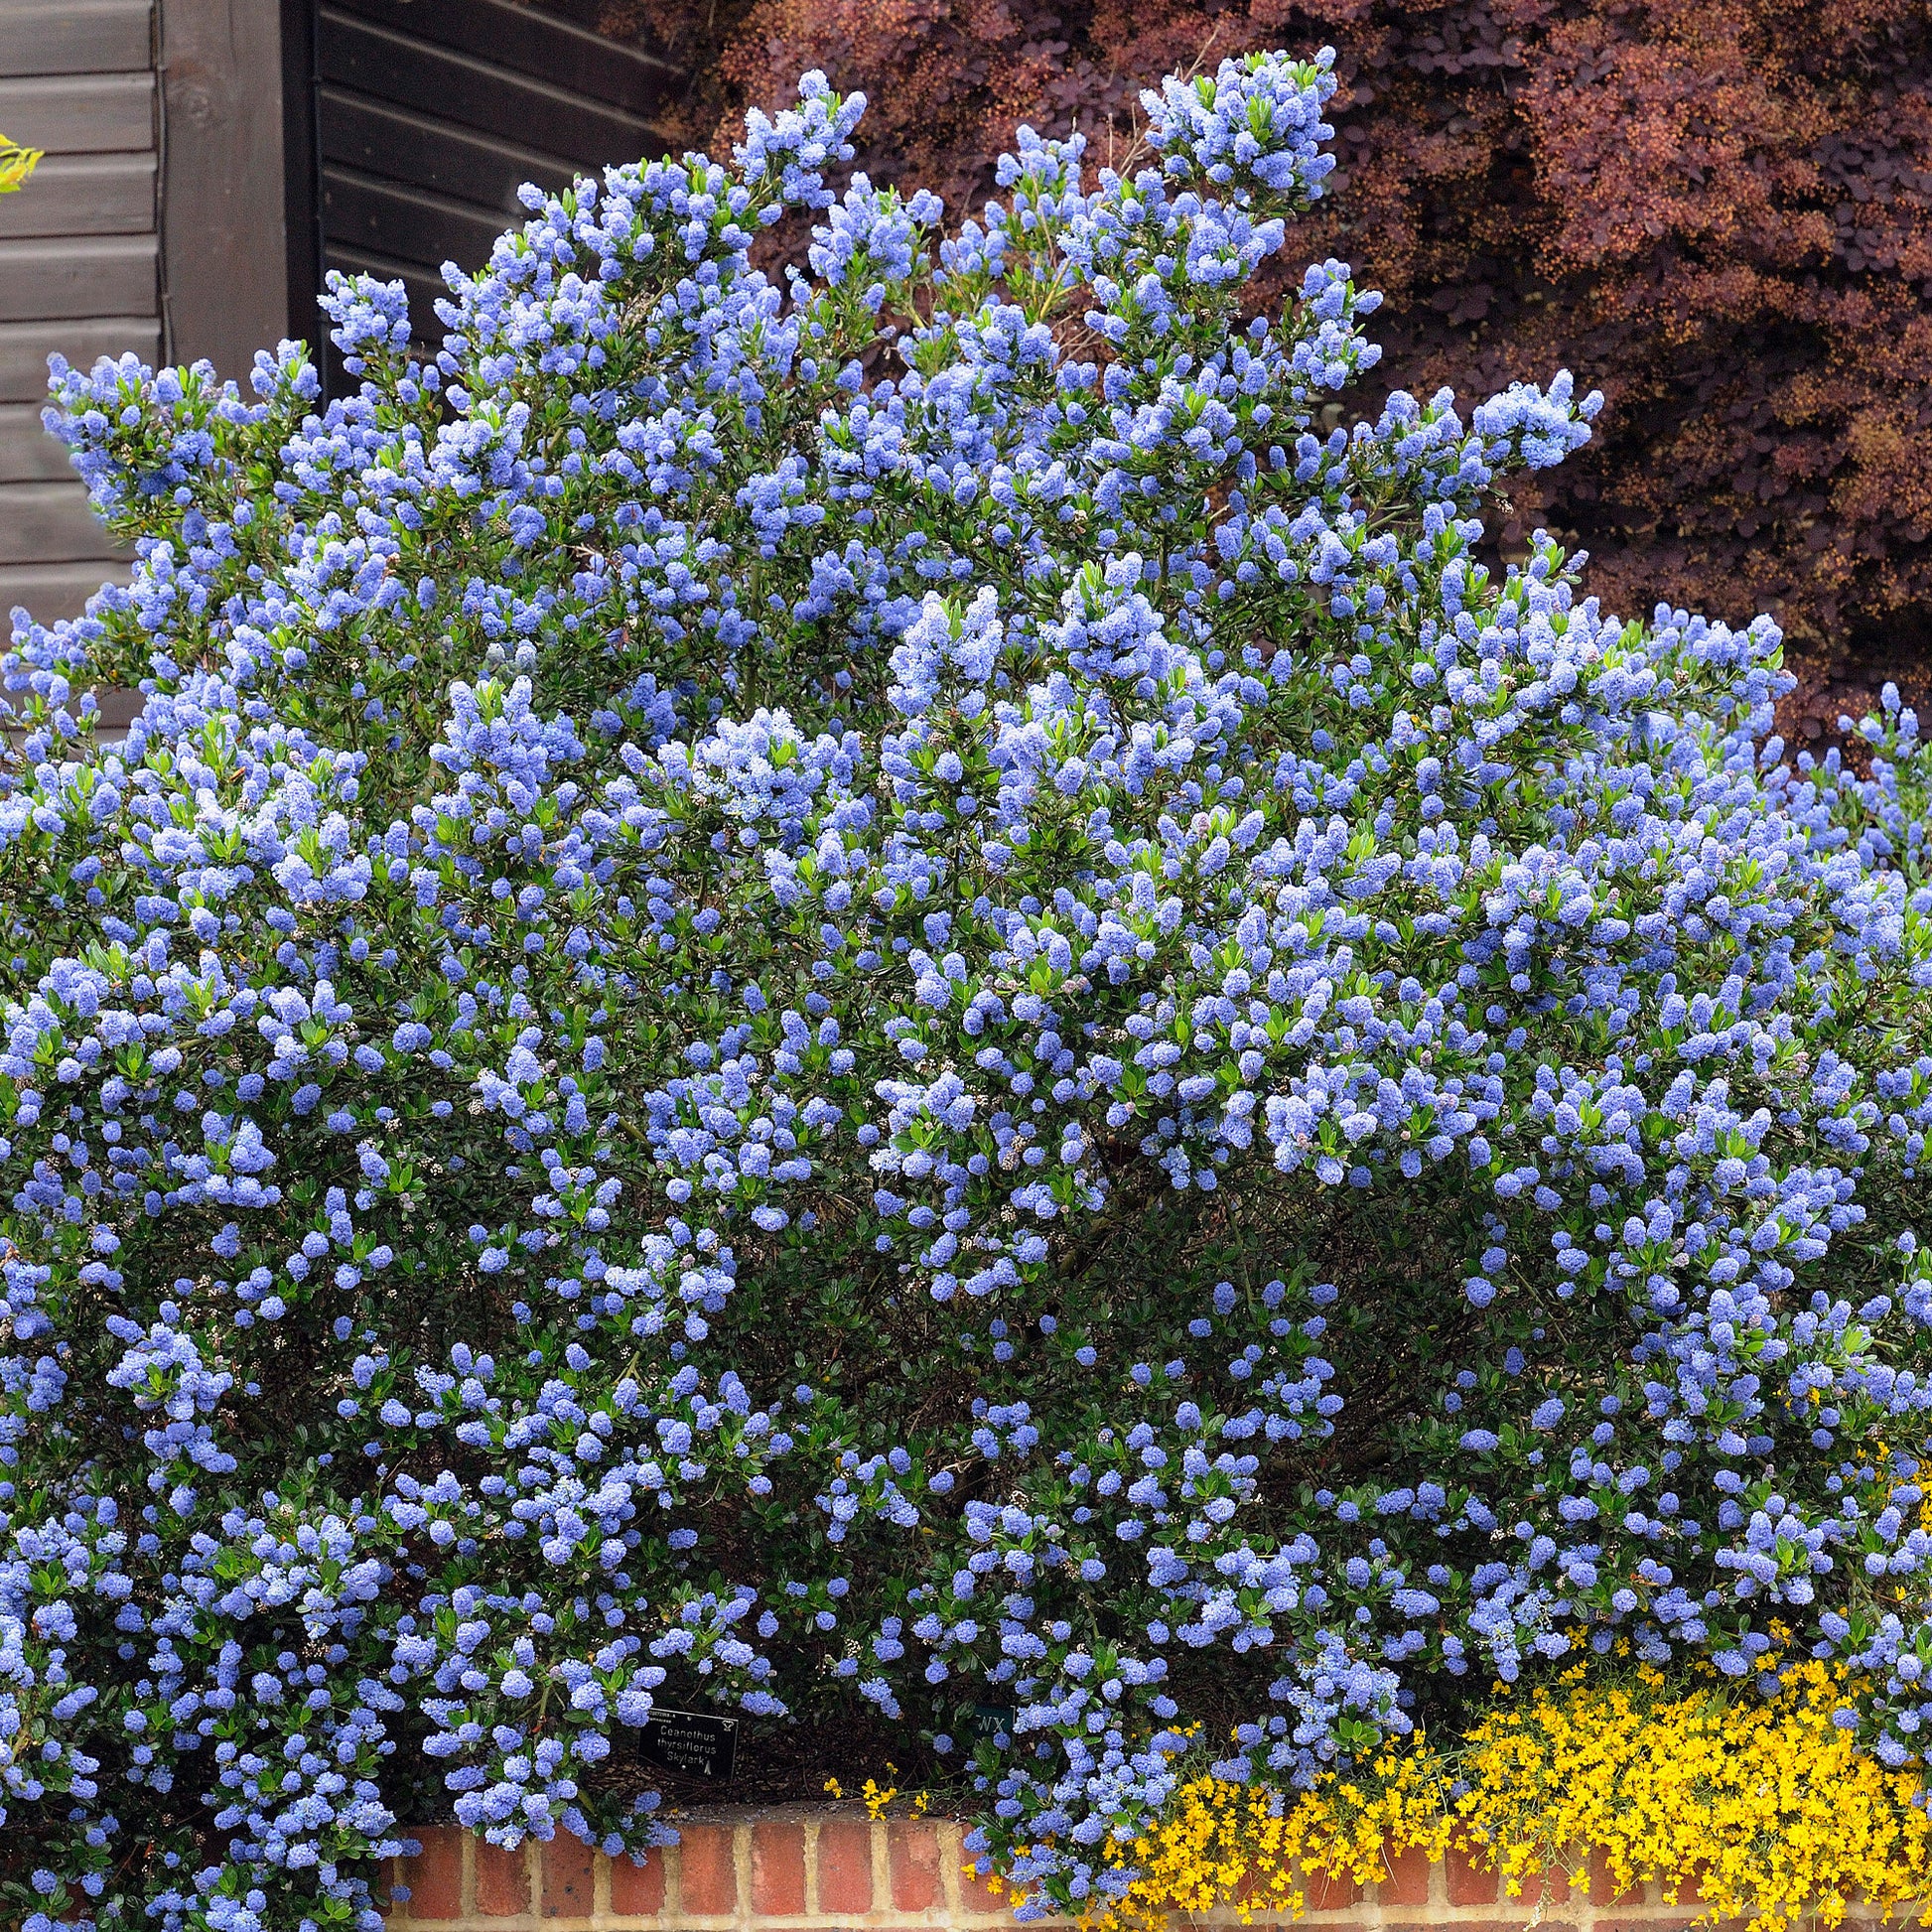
column 1468, row 1882
column 706, row 1868
column 638, row 1889
column 914, row 1846
column 1553, row 1891
column 1603, row 1884
column 502, row 1882
column 1255, row 1896
column 435, row 1878
column 1407, row 1883
column 1489, row 1925
column 978, row 1894
column 569, row 1877
column 1327, row 1895
column 844, row 1866
column 779, row 1868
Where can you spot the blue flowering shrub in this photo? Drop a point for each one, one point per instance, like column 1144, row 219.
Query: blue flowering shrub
column 899, row 992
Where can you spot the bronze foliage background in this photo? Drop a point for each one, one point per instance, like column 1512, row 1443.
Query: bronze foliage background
column 1718, row 212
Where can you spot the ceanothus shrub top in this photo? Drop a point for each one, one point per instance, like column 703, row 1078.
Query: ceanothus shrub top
column 884, row 990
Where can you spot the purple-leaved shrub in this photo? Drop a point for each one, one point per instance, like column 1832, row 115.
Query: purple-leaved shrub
column 883, row 990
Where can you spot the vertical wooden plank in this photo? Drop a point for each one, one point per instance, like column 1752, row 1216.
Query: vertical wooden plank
column 224, row 246
column 301, row 175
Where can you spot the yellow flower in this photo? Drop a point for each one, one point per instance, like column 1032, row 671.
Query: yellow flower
column 1765, row 1805
column 16, row 164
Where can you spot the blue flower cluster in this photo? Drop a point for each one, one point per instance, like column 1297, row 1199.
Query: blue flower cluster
column 892, row 992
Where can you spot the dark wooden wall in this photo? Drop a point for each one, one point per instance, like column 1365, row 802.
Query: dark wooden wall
column 429, row 114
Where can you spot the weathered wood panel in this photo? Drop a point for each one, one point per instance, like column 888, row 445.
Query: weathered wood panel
column 27, row 452
column 540, row 45
column 78, row 270
column 75, row 36
column 53, row 590
column 224, row 194
column 26, row 345
column 454, row 87
column 428, row 118
column 81, row 113
column 84, row 276
column 119, row 709
column 83, row 194
column 371, row 138
column 48, row 523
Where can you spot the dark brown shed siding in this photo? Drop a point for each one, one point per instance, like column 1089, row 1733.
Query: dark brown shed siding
column 429, row 117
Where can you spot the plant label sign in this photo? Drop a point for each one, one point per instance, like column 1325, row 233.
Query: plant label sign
column 991, row 1721
column 691, row 1742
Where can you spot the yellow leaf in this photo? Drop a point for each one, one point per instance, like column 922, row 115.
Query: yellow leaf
column 16, row 164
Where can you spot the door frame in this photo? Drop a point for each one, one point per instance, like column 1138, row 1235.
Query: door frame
column 225, row 180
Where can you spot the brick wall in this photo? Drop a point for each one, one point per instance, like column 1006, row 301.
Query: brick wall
column 798, row 1868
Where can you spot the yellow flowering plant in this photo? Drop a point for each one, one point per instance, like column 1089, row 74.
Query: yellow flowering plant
column 1761, row 1809
column 16, row 164
column 879, row 1798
